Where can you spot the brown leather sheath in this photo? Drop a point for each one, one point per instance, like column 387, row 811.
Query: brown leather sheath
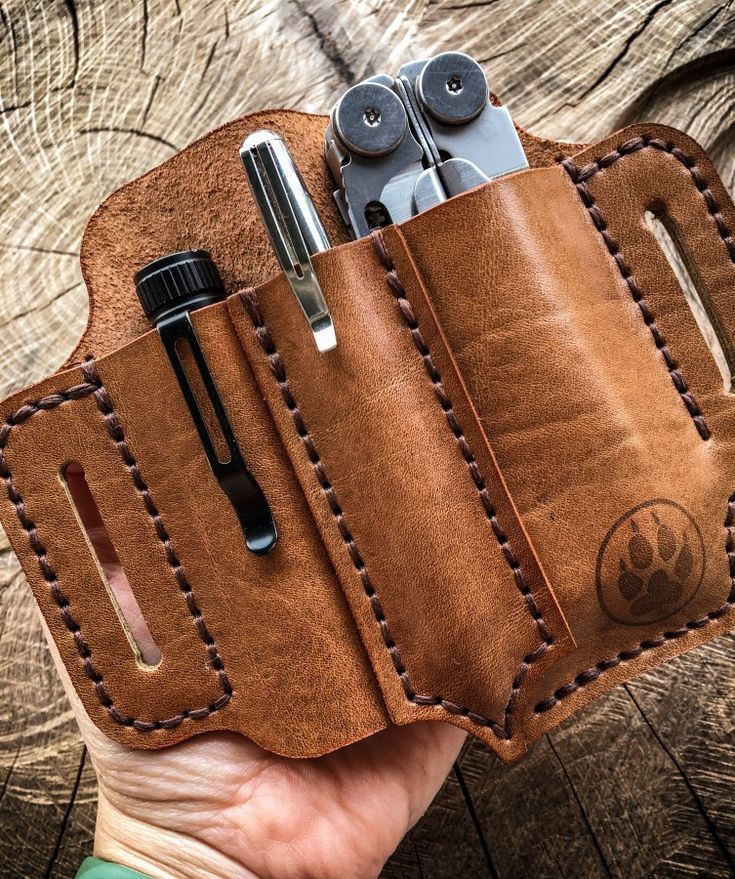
column 507, row 490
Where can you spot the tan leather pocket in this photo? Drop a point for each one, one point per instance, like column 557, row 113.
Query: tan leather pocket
column 264, row 646
column 447, row 592
column 607, row 416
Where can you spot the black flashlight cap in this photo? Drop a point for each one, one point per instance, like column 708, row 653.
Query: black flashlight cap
column 178, row 282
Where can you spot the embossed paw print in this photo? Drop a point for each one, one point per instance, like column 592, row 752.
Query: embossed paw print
column 655, row 574
column 651, row 563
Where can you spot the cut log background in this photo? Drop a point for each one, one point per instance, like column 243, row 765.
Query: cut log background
column 92, row 94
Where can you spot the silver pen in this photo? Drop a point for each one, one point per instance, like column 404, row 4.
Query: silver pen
column 292, row 223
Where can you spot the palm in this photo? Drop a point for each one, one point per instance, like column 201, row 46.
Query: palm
column 218, row 805
column 237, row 810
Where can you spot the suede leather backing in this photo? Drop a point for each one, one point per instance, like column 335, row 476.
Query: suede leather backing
column 507, row 490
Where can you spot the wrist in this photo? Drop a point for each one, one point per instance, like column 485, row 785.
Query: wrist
column 157, row 852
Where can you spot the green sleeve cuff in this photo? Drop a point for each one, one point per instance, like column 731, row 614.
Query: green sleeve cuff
column 95, row 868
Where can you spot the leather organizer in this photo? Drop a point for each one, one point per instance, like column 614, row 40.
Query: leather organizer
column 507, row 490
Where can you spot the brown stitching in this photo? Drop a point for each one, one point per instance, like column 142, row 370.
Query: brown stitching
column 278, row 369
column 591, row 674
column 579, row 177
column 94, row 386
column 636, row 144
column 399, row 292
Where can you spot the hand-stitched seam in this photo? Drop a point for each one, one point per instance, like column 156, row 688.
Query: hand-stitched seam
column 591, row 674
column 93, row 385
column 580, row 176
column 278, row 369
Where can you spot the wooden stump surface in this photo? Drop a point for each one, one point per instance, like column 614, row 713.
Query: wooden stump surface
column 93, row 94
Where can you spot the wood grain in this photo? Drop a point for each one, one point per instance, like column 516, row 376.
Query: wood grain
column 94, row 94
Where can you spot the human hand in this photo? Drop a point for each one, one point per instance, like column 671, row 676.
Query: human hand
column 217, row 805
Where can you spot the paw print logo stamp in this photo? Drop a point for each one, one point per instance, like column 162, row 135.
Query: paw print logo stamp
column 650, row 564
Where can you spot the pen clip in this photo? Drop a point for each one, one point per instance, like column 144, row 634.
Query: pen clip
column 230, row 470
column 292, row 223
